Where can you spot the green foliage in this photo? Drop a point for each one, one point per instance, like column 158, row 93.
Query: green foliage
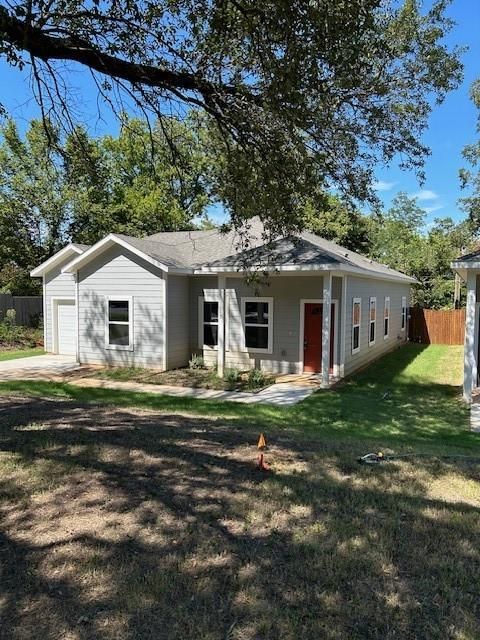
column 256, row 379
column 333, row 219
column 400, row 240
column 15, row 336
column 232, row 378
column 296, row 95
column 470, row 178
column 196, row 362
column 55, row 189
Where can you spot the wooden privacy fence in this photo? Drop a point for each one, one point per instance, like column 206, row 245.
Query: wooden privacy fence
column 28, row 309
column 432, row 326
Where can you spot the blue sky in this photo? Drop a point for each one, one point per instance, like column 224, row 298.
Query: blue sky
column 452, row 125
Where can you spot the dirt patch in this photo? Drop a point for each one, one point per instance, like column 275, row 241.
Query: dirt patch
column 126, row 524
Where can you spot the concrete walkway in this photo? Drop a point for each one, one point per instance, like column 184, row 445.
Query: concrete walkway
column 283, row 394
column 55, row 368
column 43, row 367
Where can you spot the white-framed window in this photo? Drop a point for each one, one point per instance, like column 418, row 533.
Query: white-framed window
column 257, row 319
column 356, row 322
column 386, row 318
column 404, row 313
column 372, row 321
column 119, row 323
column 208, row 321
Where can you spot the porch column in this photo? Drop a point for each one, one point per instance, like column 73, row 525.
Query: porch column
column 470, row 353
column 327, row 311
column 221, row 326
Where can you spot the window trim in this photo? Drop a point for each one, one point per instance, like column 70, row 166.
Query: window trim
column 243, row 303
column 359, row 325
column 119, row 347
column 211, row 296
column 370, row 321
column 403, row 323
column 386, row 305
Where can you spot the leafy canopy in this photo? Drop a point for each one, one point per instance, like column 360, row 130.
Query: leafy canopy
column 296, row 95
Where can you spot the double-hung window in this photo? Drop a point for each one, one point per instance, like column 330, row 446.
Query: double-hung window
column 208, row 329
column 404, row 312
column 257, row 318
column 386, row 318
column 372, row 321
column 356, row 321
column 119, row 323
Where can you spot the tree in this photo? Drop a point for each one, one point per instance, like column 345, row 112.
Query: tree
column 401, row 240
column 33, row 207
column 470, row 178
column 56, row 188
column 296, row 94
column 335, row 220
column 127, row 184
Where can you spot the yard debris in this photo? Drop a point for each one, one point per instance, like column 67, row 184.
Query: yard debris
column 377, row 458
column 262, row 442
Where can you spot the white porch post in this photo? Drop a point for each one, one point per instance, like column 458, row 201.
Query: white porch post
column 221, row 326
column 470, row 353
column 327, row 310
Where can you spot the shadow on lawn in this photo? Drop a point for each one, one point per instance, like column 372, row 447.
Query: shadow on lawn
column 157, row 526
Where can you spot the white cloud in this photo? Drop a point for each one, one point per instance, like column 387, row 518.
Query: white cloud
column 425, row 195
column 383, row 185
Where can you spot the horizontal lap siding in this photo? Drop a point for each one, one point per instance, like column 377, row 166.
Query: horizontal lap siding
column 178, row 321
column 365, row 288
column 57, row 285
column 286, row 291
column 120, row 273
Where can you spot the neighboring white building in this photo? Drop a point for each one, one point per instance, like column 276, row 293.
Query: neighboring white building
column 152, row 302
column 468, row 268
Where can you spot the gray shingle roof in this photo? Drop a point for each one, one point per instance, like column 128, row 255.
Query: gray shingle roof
column 213, row 250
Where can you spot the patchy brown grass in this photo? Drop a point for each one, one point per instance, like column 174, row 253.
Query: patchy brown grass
column 128, row 524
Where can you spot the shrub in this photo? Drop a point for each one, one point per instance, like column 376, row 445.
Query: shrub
column 256, row 379
column 232, row 378
column 10, row 317
column 196, row 362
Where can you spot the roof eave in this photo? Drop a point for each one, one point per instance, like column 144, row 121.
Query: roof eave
column 49, row 264
column 111, row 240
column 220, row 270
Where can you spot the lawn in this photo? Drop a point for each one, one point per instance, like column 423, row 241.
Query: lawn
column 14, row 354
column 125, row 516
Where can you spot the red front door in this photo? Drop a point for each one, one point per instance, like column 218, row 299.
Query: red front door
column 312, row 342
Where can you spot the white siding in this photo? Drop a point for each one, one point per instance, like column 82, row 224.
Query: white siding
column 364, row 288
column 178, row 352
column 119, row 273
column 57, row 285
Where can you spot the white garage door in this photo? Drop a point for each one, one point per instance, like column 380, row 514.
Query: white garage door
column 66, row 327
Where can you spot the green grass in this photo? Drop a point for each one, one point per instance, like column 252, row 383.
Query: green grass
column 410, row 398
column 130, row 524
column 14, row 354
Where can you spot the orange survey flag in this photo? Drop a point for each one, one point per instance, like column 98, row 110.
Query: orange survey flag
column 262, row 443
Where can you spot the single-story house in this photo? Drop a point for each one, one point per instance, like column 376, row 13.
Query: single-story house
column 468, row 268
column 152, row 302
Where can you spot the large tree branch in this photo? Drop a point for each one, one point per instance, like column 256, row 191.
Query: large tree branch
column 46, row 47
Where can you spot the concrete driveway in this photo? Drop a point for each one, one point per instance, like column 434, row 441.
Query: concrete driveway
column 47, row 367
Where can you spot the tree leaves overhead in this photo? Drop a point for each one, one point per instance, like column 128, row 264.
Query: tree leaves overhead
column 297, row 94
column 56, row 188
column 470, row 178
